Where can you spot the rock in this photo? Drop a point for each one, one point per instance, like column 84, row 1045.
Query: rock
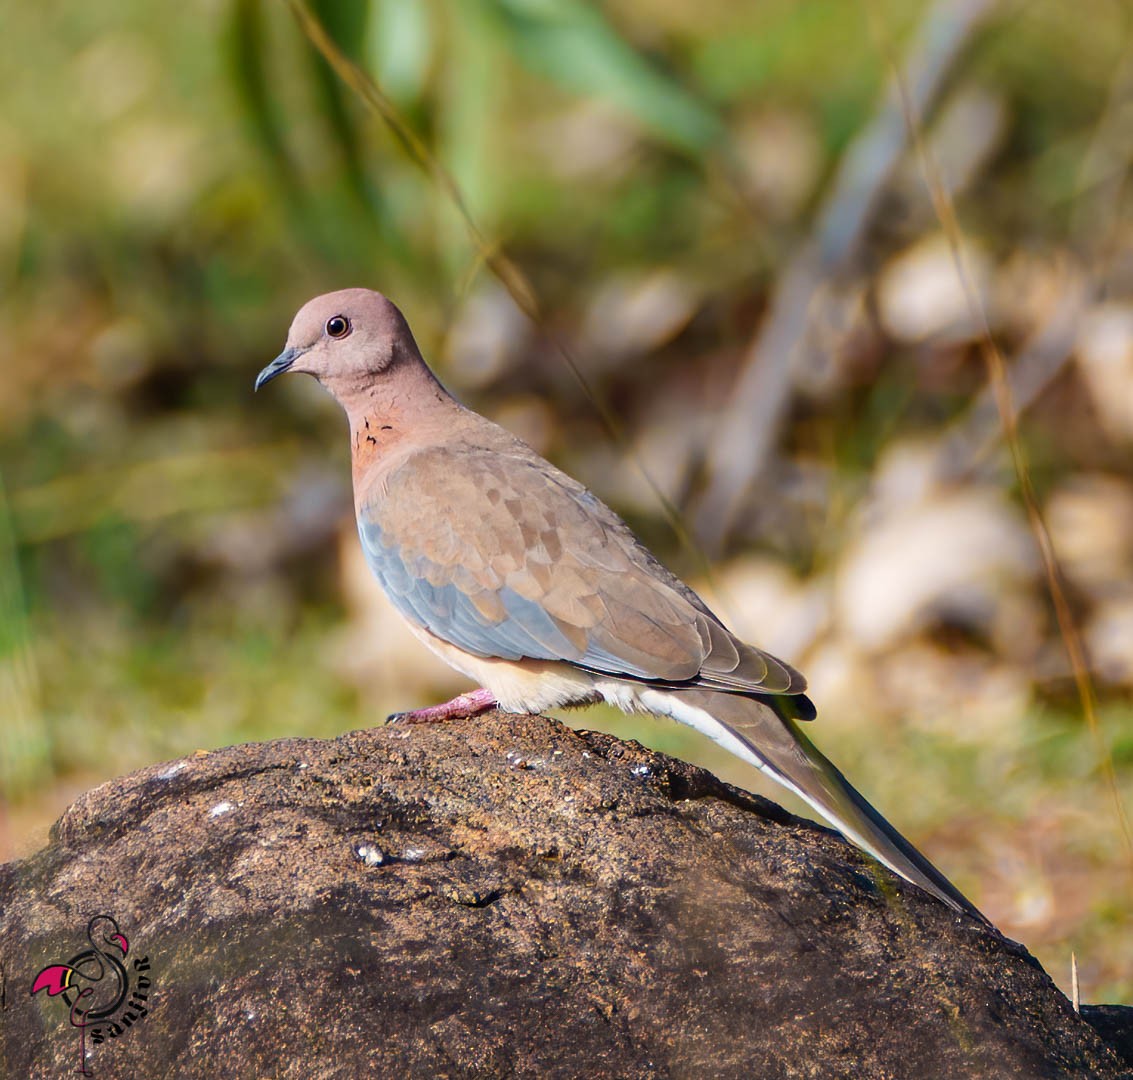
column 1115, row 1024
column 501, row 897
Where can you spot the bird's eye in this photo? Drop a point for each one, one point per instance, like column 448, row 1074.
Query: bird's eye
column 338, row 326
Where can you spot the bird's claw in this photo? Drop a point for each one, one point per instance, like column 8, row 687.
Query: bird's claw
column 460, row 707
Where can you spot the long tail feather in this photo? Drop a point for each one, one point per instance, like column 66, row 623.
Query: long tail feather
column 754, row 731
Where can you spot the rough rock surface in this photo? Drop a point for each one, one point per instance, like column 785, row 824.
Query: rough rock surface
column 504, row 897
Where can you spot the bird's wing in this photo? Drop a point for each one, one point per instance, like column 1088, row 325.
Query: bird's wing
column 500, row 554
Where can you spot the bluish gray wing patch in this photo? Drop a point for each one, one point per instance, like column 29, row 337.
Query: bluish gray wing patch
column 448, row 613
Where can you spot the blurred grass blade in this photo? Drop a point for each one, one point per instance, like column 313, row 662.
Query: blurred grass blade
column 571, row 42
column 372, row 95
column 472, row 89
column 749, row 426
column 246, row 58
column 346, row 24
column 249, row 50
column 996, row 367
column 25, row 744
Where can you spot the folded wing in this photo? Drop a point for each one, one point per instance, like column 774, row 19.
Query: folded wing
column 502, row 555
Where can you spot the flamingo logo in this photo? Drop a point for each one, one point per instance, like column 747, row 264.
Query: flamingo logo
column 95, row 984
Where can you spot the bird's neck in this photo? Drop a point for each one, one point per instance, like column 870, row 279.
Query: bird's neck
column 391, row 415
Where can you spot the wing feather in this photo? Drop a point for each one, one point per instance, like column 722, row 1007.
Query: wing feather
column 495, row 551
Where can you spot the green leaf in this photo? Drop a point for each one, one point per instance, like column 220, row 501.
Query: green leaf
column 399, row 48
column 571, row 43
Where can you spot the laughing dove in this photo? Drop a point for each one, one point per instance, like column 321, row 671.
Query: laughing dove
column 521, row 579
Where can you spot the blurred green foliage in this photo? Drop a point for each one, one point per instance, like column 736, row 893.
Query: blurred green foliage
column 176, row 180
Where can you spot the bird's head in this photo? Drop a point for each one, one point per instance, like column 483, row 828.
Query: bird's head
column 344, row 339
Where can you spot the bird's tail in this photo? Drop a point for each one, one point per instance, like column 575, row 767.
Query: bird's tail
column 755, row 730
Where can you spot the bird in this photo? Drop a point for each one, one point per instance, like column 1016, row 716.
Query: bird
column 524, row 581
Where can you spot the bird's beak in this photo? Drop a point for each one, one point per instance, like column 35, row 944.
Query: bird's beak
column 278, row 366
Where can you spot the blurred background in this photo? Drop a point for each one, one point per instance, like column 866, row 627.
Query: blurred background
column 726, row 223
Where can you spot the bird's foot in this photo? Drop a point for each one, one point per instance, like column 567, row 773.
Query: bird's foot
column 461, row 706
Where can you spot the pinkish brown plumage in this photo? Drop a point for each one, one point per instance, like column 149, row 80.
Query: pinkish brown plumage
column 523, row 580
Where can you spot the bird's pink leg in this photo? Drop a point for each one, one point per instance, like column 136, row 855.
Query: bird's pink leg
column 461, row 706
